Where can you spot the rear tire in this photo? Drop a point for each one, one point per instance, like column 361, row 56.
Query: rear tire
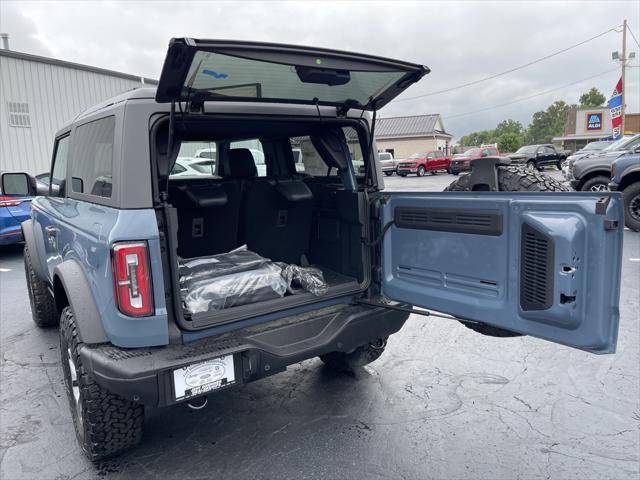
column 361, row 356
column 43, row 306
column 388, row 174
column 510, row 179
column 402, row 174
column 105, row 423
column 596, row 184
column 631, row 197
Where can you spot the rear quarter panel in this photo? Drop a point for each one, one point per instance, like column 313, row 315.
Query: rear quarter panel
column 87, row 232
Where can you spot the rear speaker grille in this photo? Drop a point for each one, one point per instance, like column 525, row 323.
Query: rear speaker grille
column 536, row 269
column 475, row 221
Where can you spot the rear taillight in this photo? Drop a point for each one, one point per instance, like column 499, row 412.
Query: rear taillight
column 8, row 201
column 132, row 278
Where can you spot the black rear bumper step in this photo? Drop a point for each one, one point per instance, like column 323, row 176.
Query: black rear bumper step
column 145, row 375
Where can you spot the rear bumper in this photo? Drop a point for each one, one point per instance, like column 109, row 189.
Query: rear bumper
column 145, row 375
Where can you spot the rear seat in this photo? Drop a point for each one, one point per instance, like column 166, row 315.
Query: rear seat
column 208, row 211
column 276, row 214
column 276, row 218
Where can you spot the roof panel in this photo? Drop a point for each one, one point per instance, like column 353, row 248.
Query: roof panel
column 414, row 126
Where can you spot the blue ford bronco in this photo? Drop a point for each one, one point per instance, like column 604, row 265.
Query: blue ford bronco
column 168, row 286
column 625, row 178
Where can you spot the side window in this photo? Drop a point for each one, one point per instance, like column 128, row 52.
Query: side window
column 309, row 161
column 353, row 143
column 439, row 154
column 255, row 147
column 59, row 170
column 431, row 155
column 92, row 166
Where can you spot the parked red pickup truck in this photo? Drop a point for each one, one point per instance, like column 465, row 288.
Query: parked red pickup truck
column 421, row 163
column 462, row 162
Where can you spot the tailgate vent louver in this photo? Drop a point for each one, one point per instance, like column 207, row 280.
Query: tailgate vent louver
column 536, row 269
column 475, row 221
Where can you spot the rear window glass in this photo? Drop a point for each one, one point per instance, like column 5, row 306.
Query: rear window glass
column 92, row 168
column 228, row 76
column 308, row 160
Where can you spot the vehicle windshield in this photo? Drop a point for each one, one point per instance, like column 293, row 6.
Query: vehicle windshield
column 617, row 145
column 472, row 152
column 527, row 149
column 418, row 155
column 595, row 146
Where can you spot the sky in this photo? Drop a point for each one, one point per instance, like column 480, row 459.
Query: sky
column 459, row 41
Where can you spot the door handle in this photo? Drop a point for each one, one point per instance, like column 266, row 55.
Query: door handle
column 51, row 231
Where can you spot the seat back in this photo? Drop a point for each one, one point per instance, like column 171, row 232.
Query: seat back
column 276, row 218
column 208, row 212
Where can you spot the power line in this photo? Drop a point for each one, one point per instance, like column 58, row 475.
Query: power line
column 634, row 37
column 531, row 96
column 475, row 82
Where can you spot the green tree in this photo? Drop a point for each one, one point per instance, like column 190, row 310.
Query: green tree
column 476, row 138
column 593, row 98
column 548, row 123
column 508, row 126
column 509, row 142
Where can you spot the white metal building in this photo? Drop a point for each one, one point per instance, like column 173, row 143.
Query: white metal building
column 38, row 95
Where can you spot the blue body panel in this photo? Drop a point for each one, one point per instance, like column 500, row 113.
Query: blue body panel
column 10, row 220
column 85, row 233
column 623, row 165
column 477, row 277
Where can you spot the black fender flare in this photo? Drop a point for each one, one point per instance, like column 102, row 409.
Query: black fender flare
column 80, row 296
column 29, row 236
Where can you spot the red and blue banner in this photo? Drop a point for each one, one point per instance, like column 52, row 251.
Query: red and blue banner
column 615, row 106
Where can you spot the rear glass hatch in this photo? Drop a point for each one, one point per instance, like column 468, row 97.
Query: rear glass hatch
column 215, row 70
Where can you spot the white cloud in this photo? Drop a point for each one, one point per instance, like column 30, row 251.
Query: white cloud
column 459, row 41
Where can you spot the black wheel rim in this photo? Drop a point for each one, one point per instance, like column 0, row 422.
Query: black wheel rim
column 634, row 207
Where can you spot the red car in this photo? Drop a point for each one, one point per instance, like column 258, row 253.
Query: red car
column 462, row 162
column 421, row 163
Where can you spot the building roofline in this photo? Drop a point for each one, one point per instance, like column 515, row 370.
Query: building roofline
column 412, row 116
column 414, row 135
column 76, row 66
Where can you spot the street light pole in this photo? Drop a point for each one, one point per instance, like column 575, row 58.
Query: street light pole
column 623, row 62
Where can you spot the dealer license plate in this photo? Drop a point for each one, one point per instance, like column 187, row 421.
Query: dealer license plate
column 203, row 377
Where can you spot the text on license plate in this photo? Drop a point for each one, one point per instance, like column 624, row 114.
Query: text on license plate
column 199, row 378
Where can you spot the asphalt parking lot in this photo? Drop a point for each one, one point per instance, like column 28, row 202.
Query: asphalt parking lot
column 443, row 402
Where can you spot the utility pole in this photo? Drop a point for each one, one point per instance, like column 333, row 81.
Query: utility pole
column 623, row 62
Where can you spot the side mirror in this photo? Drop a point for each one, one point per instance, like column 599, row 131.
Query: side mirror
column 18, row 184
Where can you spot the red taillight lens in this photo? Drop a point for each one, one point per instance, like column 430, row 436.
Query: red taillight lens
column 132, row 278
column 8, row 201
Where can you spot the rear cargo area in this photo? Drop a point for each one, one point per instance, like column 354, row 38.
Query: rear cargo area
column 249, row 245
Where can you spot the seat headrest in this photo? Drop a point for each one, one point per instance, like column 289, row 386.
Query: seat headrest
column 241, row 163
column 294, row 190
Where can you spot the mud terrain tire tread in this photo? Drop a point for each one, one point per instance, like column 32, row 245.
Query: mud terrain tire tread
column 111, row 424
